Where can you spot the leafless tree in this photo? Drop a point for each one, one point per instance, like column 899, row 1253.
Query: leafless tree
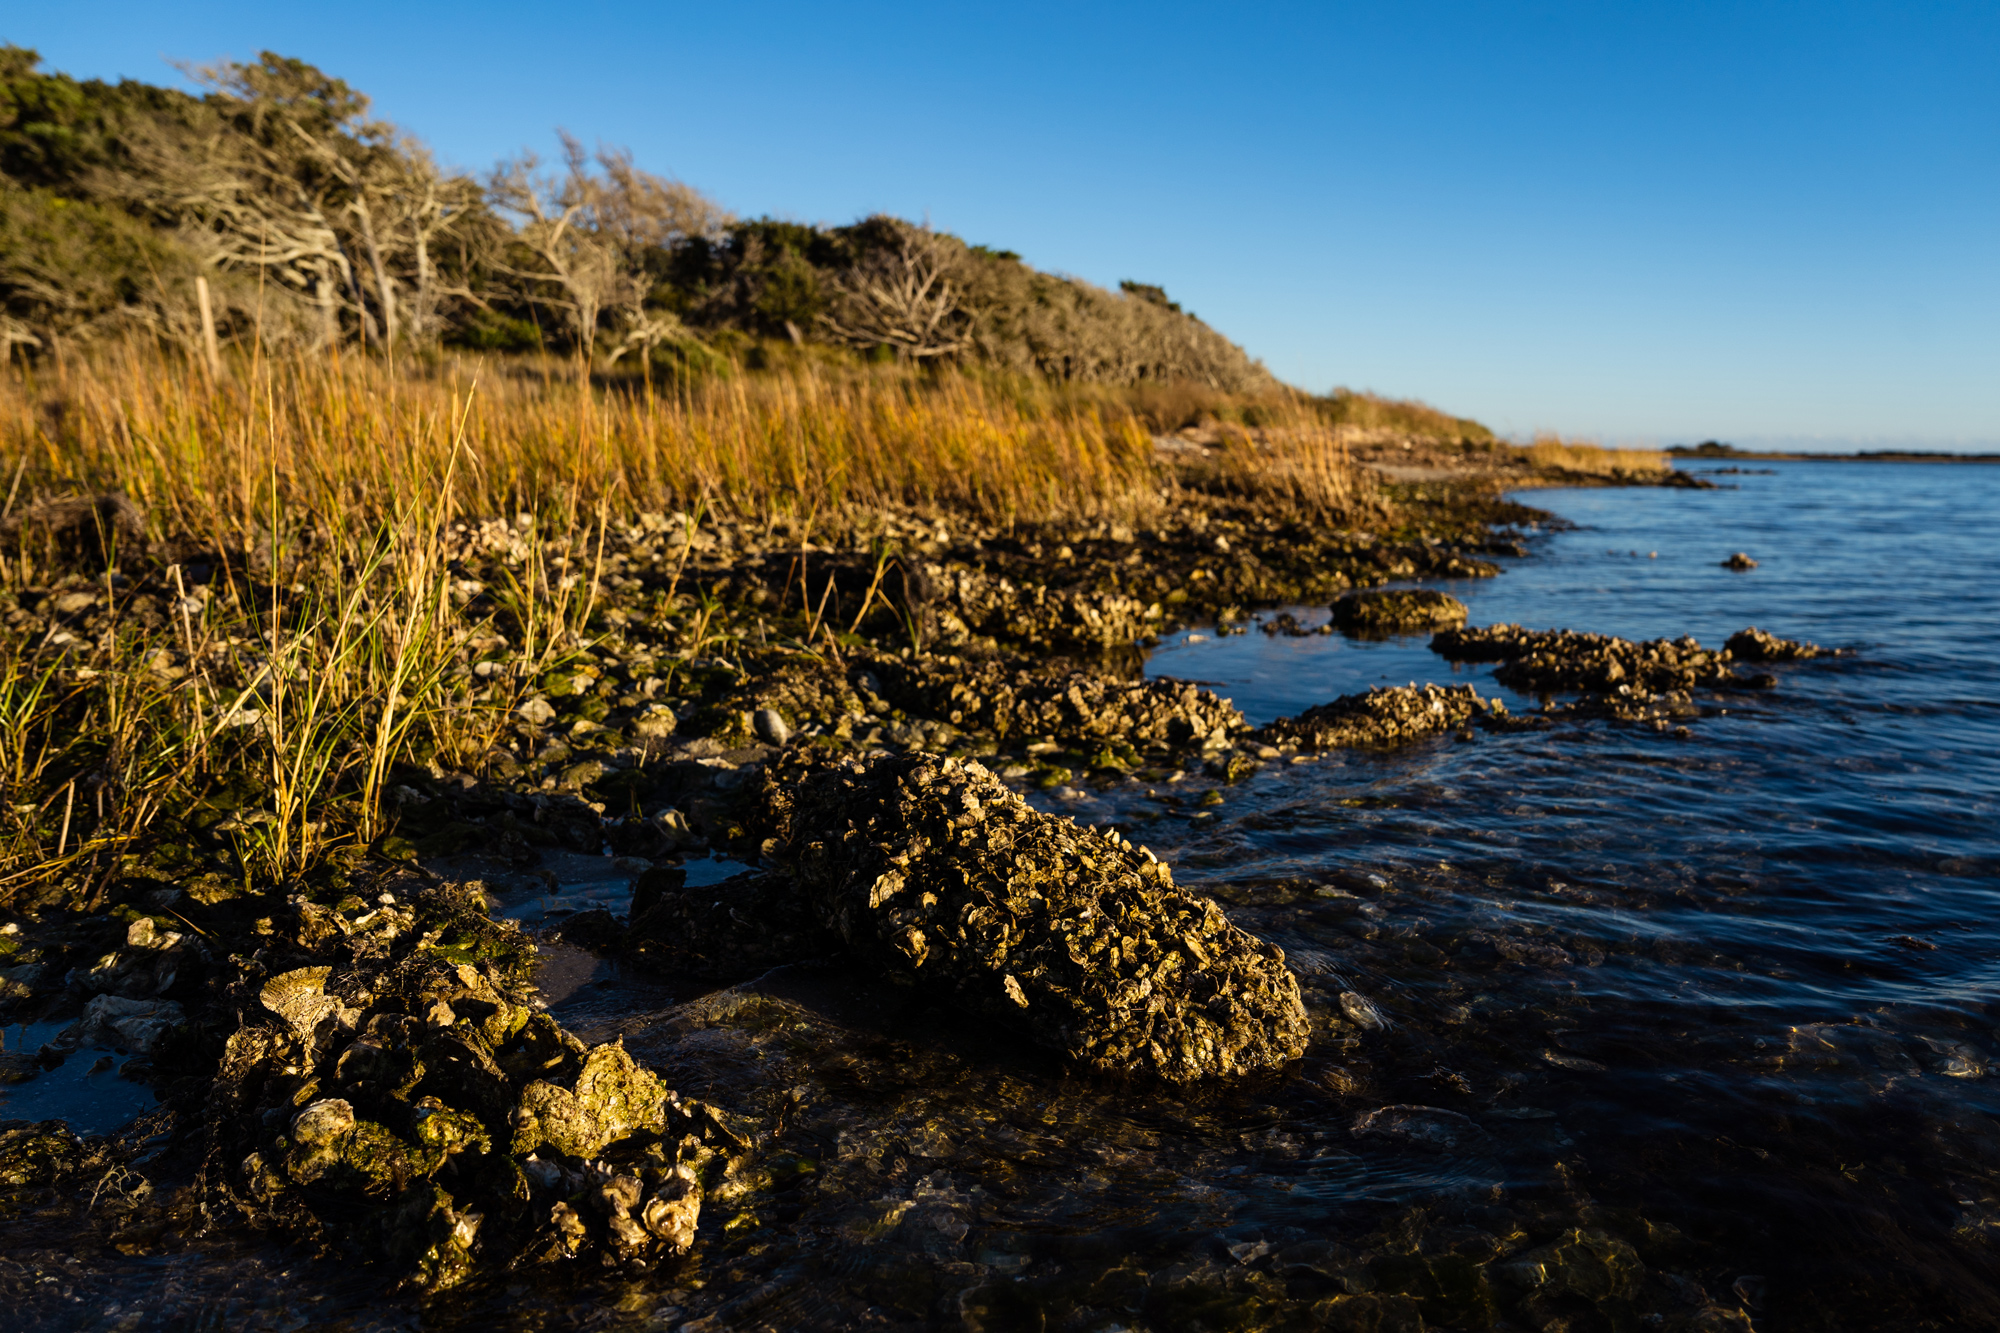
column 900, row 294
column 585, row 235
column 283, row 175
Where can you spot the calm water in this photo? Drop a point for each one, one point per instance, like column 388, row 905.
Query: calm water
column 1726, row 1001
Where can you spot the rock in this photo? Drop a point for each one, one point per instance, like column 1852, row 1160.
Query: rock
column 37, row 1155
column 298, row 998
column 1369, row 1312
column 614, row 1096
column 1754, row 645
column 113, row 1020
column 936, row 871
column 19, row 982
column 1384, row 715
column 1740, row 560
column 1583, row 1262
column 537, row 712
column 551, row 1149
column 1386, row 612
column 1427, row 1127
column 655, row 722
column 770, row 727
column 1540, row 661
column 1080, row 709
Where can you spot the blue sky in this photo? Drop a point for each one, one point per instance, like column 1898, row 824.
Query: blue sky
column 1635, row 222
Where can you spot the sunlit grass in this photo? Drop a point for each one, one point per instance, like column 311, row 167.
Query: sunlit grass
column 1553, row 453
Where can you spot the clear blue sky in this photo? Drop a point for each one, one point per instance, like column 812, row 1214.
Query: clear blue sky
column 1640, row 222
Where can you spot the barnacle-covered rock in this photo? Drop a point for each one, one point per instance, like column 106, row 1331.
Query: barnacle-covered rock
column 1387, row 612
column 1384, row 715
column 614, row 1097
column 34, row 1157
column 1755, row 645
column 1079, row 709
column 452, row 1125
column 137, row 1025
column 299, row 998
column 936, row 870
column 1538, row 661
column 963, row 602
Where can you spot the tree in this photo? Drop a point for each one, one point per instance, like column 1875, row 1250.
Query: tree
column 584, row 241
column 899, row 294
column 279, row 172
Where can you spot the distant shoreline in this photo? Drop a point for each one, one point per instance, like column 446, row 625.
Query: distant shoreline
column 1712, row 453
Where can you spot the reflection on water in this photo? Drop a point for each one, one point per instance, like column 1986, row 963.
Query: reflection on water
column 1612, row 1030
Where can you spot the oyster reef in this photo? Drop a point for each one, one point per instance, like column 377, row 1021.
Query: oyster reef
column 1494, row 918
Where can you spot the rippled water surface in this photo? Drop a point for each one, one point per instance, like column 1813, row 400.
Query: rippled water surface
column 1716, row 1014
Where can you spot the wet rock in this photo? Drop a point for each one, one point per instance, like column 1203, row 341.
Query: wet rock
column 1648, row 681
column 1080, row 709
column 20, row 982
column 1292, row 627
column 613, row 1098
column 113, row 1020
column 938, row 872
column 35, row 1156
column 1540, row 661
column 1754, row 645
column 1387, row 612
column 1384, row 715
column 1427, row 1127
column 408, row 1100
column 1583, row 1262
column 1361, row 1010
column 770, row 726
column 650, row 836
column 1369, row 1312
column 1740, row 561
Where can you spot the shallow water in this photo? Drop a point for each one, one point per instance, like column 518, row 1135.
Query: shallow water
column 1728, row 1002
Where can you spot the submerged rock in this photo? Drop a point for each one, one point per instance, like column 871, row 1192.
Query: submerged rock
column 112, row 1020
column 937, row 871
column 1385, row 612
column 1384, row 715
column 745, row 924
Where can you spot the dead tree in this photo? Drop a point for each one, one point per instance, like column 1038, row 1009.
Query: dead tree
column 585, row 236
column 899, row 294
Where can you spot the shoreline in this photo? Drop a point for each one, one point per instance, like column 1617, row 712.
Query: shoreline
column 1024, row 667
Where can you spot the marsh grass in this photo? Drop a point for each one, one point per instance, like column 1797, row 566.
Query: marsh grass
column 331, row 642
column 1552, row 453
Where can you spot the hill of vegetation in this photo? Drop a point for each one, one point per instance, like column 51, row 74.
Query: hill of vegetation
column 275, row 203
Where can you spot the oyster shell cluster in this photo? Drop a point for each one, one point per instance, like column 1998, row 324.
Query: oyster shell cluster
column 1384, row 715
column 936, row 870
